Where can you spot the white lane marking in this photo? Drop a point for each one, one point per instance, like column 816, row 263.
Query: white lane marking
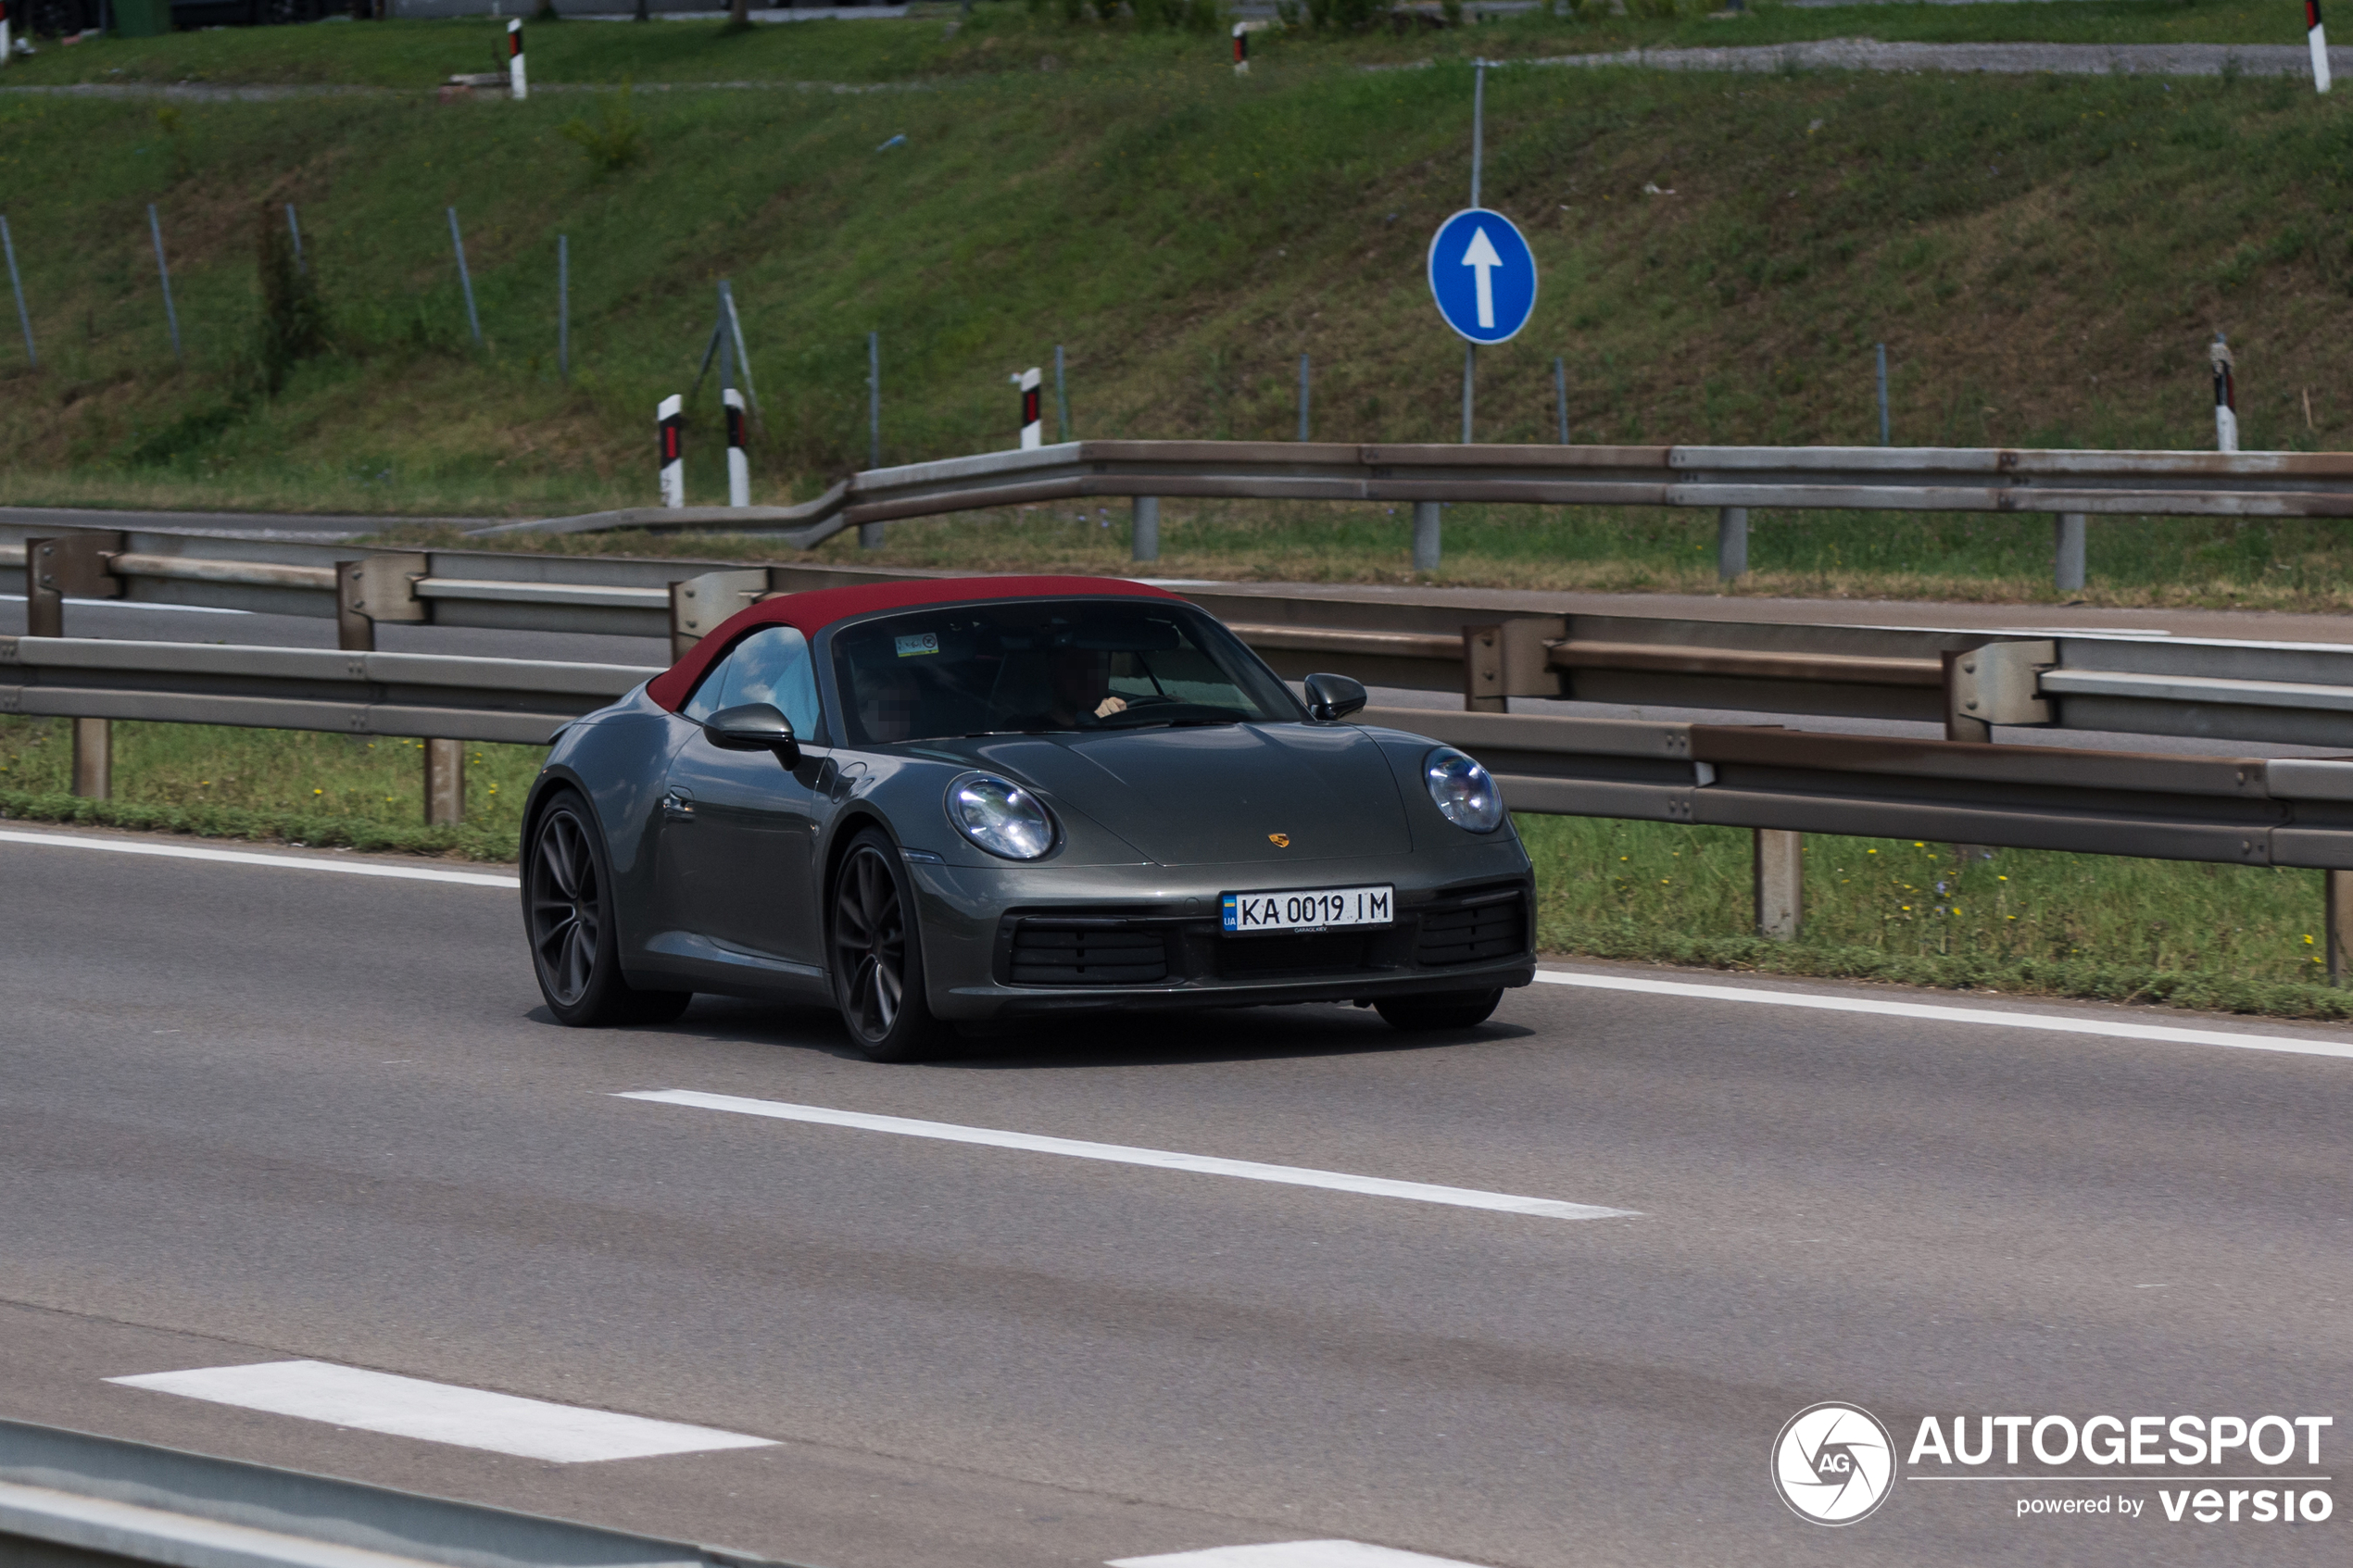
column 1292, row 1554
column 2055, row 1022
column 440, row 1413
column 239, row 857
column 1249, row 1170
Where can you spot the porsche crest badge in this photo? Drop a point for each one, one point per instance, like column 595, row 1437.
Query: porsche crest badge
column 1280, row 840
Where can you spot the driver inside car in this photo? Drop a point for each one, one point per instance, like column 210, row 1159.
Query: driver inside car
column 1081, row 679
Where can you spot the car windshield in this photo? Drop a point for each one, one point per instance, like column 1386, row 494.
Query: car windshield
column 1032, row 668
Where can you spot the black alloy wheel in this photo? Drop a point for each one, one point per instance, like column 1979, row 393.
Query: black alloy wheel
column 1443, row 1009
column 878, row 955
column 567, row 915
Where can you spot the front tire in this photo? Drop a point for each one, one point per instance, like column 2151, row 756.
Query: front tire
column 568, row 914
column 1443, row 1009
column 876, row 945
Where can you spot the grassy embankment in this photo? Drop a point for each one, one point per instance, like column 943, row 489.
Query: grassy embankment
column 2044, row 256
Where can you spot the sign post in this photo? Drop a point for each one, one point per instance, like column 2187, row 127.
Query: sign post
column 1482, row 274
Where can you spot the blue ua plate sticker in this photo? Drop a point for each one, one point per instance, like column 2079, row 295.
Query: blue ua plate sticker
column 1308, row 910
column 922, row 642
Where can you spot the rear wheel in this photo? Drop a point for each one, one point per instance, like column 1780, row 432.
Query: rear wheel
column 568, row 914
column 878, row 956
column 1442, row 1009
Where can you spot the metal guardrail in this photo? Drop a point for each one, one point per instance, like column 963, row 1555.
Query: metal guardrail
column 1816, row 478
column 2243, row 811
column 2236, row 810
column 361, row 694
column 2292, row 694
column 73, row 1497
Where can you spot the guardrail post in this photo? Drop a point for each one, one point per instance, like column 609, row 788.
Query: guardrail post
column 1731, row 542
column 1144, row 535
column 1998, row 684
column 699, row 604
column 1427, row 542
column 45, row 609
column 93, row 758
column 1780, row 883
column 2067, row 572
column 444, row 782
column 377, row 588
column 1484, row 690
column 72, row 566
column 2337, row 893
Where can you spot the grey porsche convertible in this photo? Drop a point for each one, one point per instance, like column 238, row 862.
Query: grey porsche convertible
column 952, row 802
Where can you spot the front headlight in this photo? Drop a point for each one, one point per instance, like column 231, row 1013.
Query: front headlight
column 1463, row 791
column 1002, row 817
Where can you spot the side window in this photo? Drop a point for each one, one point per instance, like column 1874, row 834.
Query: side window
column 771, row 666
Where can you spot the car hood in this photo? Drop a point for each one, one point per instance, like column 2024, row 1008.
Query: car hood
column 1224, row 793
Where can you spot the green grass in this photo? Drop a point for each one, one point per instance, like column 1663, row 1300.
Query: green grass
column 2231, row 937
column 302, row 785
column 2044, row 256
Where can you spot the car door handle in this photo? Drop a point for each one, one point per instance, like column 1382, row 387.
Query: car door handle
column 677, row 808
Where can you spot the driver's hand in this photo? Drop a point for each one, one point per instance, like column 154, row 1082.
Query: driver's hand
column 1109, row 706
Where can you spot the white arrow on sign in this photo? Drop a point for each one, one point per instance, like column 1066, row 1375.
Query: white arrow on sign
column 1481, row 255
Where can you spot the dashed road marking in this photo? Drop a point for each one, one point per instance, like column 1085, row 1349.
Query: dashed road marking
column 440, row 1413
column 1249, row 1170
column 1292, row 1554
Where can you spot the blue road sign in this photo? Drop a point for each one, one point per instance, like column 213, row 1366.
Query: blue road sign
column 1482, row 275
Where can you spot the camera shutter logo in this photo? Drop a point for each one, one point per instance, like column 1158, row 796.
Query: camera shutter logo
column 1833, row 1463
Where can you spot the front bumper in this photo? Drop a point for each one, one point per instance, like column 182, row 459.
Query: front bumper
column 1016, row 943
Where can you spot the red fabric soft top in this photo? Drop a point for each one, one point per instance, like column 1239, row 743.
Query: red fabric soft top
column 811, row 612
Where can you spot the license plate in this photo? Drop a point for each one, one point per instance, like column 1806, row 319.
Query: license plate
column 1308, row 909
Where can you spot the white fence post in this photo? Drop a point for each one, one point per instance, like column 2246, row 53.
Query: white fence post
column 670, row 418
column 1032, row 425
column 518, row 85
column 2318, row 36
column 738, row 466
column 2226, row 396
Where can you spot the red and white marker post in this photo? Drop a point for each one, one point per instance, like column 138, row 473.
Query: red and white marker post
column 671, row 418
column 2226, row 397
column 2318, row 36
column 518, row 85
column 1241, row 46
column 1033, row 426
column 738, row 465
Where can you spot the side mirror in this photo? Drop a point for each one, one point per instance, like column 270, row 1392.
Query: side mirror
column 1333, row 696
column 754, row 726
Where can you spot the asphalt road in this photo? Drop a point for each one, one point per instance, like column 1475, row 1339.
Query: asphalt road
column 254, row 1112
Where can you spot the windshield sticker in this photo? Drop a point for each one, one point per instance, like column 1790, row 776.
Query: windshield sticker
column 921, row 643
